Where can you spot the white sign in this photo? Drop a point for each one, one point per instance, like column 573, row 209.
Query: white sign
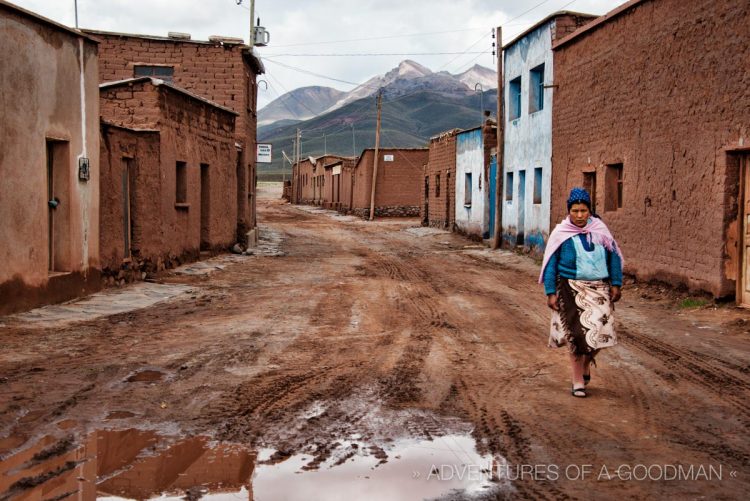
column 263, row 154
column 387, row 158
column 336, row 170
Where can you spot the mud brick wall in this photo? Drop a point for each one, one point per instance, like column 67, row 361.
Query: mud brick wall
column 440, row 209
column 218, row 72
column 190, row 131
column 398, row 183
column 662, row 87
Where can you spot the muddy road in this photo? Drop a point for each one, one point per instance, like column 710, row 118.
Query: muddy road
column 343, row 341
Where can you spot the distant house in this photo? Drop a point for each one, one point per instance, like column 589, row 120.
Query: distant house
column 474, row 181
column 338, row 179
column 222, row 70
column 49, row 161
column 527, row 163
column 438, row 197
column 302, row 181
column 399, row 180
column 168, row 176
column 651, row 113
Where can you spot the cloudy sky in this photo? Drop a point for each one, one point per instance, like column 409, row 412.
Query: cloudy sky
column 313, row 39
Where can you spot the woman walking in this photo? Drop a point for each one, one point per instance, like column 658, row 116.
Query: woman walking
column 582, row 277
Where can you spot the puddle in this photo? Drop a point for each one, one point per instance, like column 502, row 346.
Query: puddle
column 146, row 376
column 136, row 464
column 119, row 415
column 102, row 304
column 402, row 470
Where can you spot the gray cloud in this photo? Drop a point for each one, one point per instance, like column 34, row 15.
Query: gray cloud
column 311, row 22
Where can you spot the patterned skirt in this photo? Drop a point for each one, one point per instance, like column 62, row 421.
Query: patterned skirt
column 585, row 322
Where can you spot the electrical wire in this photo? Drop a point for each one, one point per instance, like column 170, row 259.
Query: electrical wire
column 364, row 54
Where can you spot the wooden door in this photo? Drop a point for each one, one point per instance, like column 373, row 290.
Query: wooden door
column 743, row 279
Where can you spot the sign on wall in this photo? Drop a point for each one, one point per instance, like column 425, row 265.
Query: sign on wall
column 387, row 158
column 263, row 154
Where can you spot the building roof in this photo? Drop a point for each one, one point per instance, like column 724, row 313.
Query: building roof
column 445, row 134
column 161, row 83
column 544, row 21
column 43, row 20
column 130, row 129
column 587, row 28
column 247, row 51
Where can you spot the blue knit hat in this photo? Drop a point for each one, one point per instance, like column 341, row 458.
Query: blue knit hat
column 579, row 196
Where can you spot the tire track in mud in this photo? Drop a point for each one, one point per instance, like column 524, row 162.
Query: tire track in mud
column 695, row 368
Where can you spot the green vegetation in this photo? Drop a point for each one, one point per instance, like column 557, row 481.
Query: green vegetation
column 691, row 302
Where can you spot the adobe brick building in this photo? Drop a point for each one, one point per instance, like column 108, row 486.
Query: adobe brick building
column 49, row 161
column 438, row 196
column 310, row 183
column 222, row 70
column 398, row 182
column 337, row 186
column 652, row 114
column 168, row 176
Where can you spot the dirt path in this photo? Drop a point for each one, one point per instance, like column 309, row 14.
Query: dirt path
column 371, row 331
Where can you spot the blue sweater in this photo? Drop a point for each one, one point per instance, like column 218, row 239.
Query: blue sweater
column 563, row 263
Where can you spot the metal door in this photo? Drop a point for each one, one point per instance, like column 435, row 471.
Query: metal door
column 520, row 227
column 493, row 194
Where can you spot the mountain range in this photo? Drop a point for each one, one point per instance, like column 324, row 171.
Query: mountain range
column 417, row 104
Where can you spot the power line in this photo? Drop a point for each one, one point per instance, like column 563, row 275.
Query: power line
column 428, row 33
column 360, row 54
column 317, row 74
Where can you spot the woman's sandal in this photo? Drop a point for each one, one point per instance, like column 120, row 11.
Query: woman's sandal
column 578, row 392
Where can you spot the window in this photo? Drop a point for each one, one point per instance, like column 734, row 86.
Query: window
column 509, row 187
column 536, row 89
column 437, row 185
column 514, row 93
column 165, row 73
column 181, row 184
column 613, row 187
column 589, row 183
column 537, row 185
column 467, row 190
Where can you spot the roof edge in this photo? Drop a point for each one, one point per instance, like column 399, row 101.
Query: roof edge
column 161, row 83
column 616, row 12
column 545, row 20
column 45, row 20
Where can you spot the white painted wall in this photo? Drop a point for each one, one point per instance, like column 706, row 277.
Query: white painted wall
column 528, row 139
column 472, row 220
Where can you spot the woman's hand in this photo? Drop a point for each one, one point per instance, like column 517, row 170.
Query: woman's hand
column 552, row 302
column 615, row 293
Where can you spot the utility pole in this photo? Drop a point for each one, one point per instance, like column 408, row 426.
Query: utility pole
column 75, row 5
column 500, row 141
column 354, row 144
column 252, row 24
column 297, row 153
column 377, row 154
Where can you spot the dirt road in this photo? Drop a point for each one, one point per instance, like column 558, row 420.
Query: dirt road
column 350, row 337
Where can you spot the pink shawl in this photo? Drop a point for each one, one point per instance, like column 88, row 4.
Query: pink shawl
column 596, row 231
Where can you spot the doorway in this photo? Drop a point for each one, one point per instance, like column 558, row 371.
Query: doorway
column 743, row 273
column 521, row 227
column 426, row 217
column 205, row 207
column 58, row 206
column 128, row 205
